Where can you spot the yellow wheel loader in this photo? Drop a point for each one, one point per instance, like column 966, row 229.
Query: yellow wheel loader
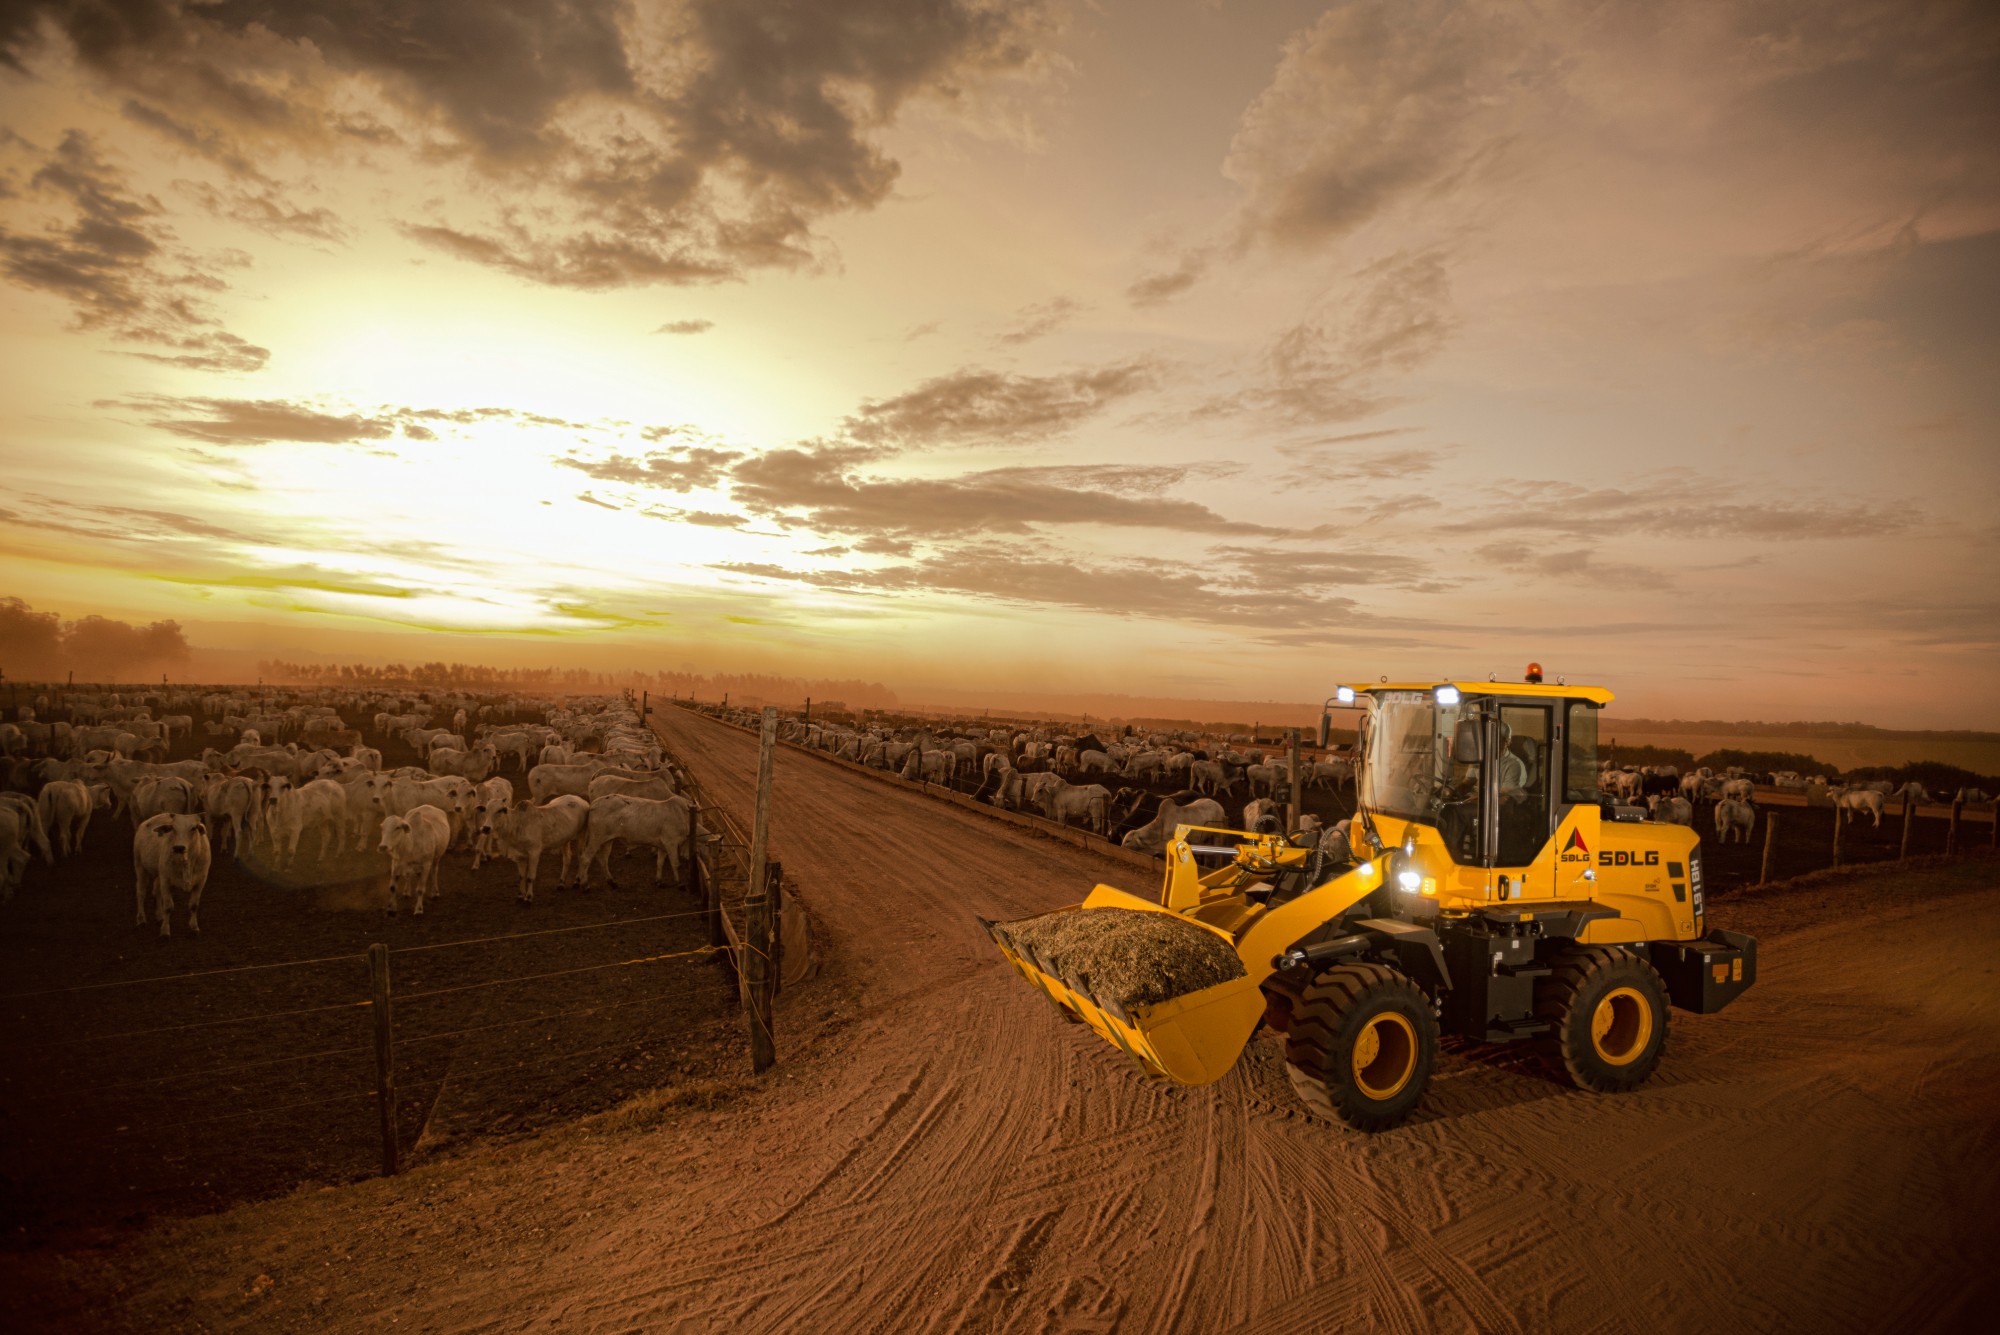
column 1485, row 888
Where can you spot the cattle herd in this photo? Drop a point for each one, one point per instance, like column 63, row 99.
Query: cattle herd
column 1111, row 788
column 289, row 785
column 294, row 780
column 1114, row 787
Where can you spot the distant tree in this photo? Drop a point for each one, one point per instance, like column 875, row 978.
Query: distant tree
column 30, row 641
column 1649, row 755
column 1764, row 762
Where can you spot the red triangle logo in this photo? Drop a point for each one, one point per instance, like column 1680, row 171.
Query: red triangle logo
column 1576, row 842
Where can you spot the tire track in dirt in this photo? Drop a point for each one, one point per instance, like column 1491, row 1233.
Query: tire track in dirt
column 937, row 1151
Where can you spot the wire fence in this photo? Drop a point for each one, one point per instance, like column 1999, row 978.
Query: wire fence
column 268, row 1078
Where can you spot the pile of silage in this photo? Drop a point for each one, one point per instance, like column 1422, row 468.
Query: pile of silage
column 1124, row 956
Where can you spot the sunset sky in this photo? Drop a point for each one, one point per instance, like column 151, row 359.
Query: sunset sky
column 1175, row 347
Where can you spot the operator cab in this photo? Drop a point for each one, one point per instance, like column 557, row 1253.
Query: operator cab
column 1493, row 767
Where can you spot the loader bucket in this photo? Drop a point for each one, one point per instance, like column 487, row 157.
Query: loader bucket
column 1192, row 1039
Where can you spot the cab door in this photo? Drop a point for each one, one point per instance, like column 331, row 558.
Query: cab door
column 1522, row 768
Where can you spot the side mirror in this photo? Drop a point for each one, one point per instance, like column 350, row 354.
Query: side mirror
column 1325, row 727
column 1468, row 742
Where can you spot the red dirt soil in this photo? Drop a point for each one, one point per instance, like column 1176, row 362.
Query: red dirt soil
column 937, row 1151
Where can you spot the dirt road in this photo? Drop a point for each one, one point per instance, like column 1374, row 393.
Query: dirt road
column 938, row 1152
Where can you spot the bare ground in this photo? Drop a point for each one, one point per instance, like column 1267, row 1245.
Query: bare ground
column 937, row 1151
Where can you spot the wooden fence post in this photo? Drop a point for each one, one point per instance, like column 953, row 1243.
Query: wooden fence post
column 774, row 881
column 1770, row 846
column 1993, row 831
column 385, row 1065
column 757, row 908
column 1292, row 806
column 1839, row 827
column 1909, row 814
column 691, row 855
column 1951, row 833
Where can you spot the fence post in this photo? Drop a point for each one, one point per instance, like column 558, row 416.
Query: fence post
column 385, row 1065
column 1770, row 846
column 1909, row 813
column 757, row 981
column 1993, row 832
column 757, row 908
column 774, row 880
column 1951, row 834
column 1839, row 827
column 1293, row 787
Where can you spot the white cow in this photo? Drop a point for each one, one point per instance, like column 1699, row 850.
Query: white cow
column 1669, row 810
column 1739, row 790
column 322, row 807
column 1264, row 816
column 152, row 796
column 1851, row 802
column 661, row 825
column 230, row 801
column 496, row 794
column 476, row 764
column 415, row 842
column 1152, row 837
column 1085, row 803
column 169, row 855
column 659, row 787
column 66, row 806
column 551, row 781
column 1734, row 821
column 523, row 832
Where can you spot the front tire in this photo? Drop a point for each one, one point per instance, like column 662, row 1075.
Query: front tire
column 1361, row 1046
column 1609, row 1010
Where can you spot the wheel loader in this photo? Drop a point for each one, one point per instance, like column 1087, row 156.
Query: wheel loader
column 1484, row 888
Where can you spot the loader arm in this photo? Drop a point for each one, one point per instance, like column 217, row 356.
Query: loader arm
column 1195, row 1039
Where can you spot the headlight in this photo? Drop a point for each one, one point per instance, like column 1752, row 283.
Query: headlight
column 1345, row 695
column 1447, row 695
column 1410, row 879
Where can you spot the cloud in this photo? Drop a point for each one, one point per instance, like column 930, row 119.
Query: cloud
column 1675, row 503
column 993, row 407
column 111, row 259
column 1165, row 284
column 824, row 489
column 681, row 143
column 1392, row 316
column 680, row 470
column 1041, row 319
column 262, row 421
column 267, row 210
column 1577, row 564
column 685, row 327
column 1377, row 102
column 1155, row 589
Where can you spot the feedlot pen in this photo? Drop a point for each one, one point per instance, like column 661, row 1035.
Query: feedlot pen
column 149, row 1076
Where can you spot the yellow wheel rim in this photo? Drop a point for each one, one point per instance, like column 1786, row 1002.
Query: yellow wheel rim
column 1385, row 1055
column 1622, row 1025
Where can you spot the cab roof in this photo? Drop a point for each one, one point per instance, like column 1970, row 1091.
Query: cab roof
column 1597, row 695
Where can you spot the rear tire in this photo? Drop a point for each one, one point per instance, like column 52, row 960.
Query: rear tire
column 1361, row 1045
column 1609, row 1010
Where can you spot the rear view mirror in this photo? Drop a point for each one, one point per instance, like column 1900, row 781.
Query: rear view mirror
column 1468, row 742
column 1325, row 727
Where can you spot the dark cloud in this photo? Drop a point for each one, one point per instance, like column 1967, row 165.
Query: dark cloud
column 261, row 421
column 1388, row 319
column 267, row 210
column 1376, row 102
column 112, row 260
column 1673, row 504
column 1041, row 319
column 686, row 327
column 1570, row 566
column 1278, row 570
column 824, row 489
column 1156, row 589
column 680, row 470
column 993, row 407
column 680, row 143
column 1166, row 284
